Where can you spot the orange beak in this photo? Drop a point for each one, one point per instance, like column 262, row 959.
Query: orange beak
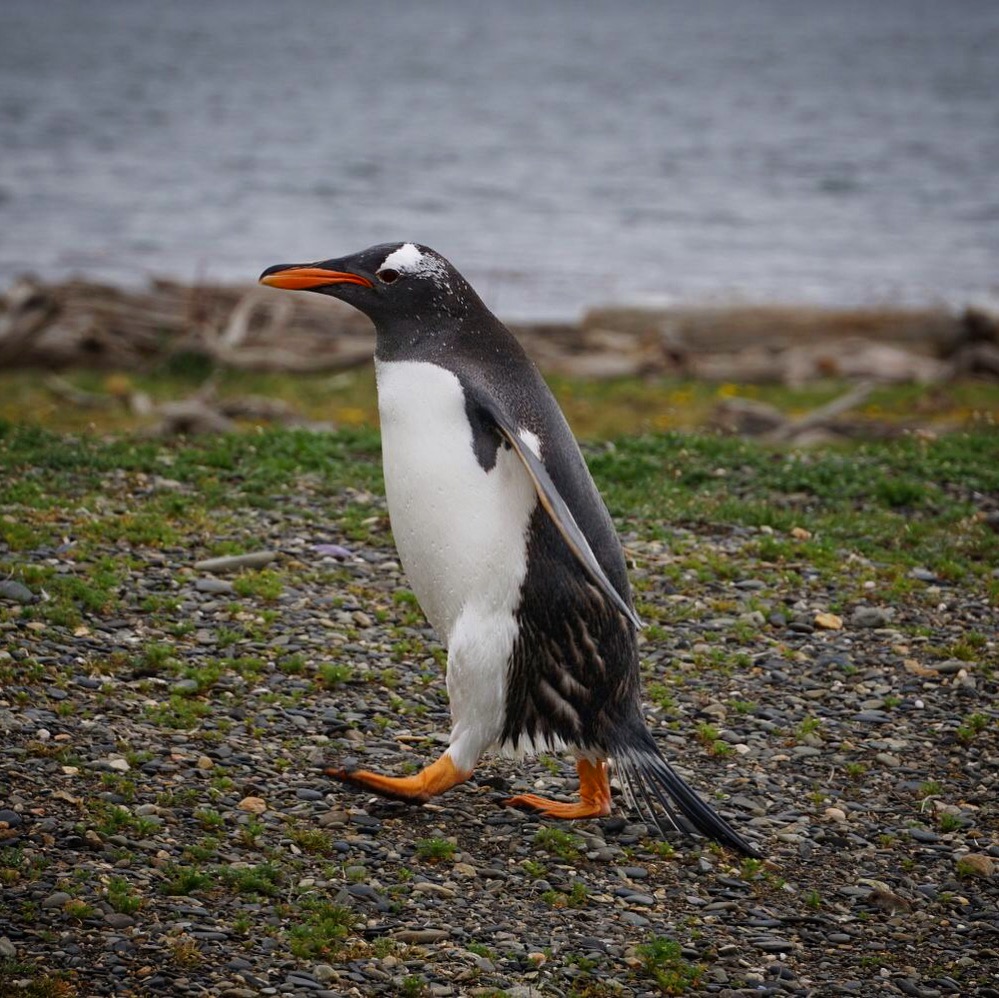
column 305, row 278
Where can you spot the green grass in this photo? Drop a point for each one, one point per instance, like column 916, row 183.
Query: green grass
column 596, row 409
column 322, row 930
column 663, row 962
column 181, row 881
column 435, row 850
column 558, row 842
column 901, row 503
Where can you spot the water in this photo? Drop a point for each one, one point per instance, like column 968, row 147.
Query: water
column 561, row 154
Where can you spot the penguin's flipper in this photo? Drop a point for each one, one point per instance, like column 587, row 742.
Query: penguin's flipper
column 553, row 503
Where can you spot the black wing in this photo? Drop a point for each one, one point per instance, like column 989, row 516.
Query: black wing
column 555, row 506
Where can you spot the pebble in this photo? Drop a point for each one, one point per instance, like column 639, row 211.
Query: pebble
column 216, row 587
column 417, row 937
column 769, row 944
column 828, row 621
column 11, row 589
column 233, row 563
column 255, row 805
column 976, row 865
column 870, row 616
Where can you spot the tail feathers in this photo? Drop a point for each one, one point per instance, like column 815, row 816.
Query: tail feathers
column 659, row 792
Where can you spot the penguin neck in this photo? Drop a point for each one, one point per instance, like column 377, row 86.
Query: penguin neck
column 416, row 339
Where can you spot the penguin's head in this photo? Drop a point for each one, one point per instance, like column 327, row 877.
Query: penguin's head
column 390, row 283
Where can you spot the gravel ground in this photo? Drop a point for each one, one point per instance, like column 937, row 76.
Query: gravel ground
column 165, row 828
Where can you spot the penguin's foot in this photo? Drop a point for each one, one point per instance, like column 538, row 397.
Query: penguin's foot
column 435, row 779
column 594, row 791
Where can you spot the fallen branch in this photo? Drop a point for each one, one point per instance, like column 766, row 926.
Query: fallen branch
column 823, row 417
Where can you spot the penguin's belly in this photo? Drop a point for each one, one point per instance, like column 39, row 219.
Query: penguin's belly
column 461, row 531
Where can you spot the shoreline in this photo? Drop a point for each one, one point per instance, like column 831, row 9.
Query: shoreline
column 85, row 324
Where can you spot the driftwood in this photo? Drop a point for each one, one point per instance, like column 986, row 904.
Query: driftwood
column 80, row 324
column 751, row 418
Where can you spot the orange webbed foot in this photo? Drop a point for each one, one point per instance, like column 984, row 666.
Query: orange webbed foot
column 435, row 779
column 594, row 792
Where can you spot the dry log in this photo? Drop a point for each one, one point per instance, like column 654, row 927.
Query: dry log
column 81, row 324
column 822, row 418
column 748, row 417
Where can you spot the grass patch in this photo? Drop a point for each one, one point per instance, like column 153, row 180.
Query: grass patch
column 663, row 961
column 435, row 850
column 558, row 842
column 322, row 931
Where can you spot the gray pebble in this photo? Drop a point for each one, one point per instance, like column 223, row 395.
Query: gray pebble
column 118, row 920
column 770, row 944
column 13, row 590
column 870, row 616
column 232, row 563
column 304, row 793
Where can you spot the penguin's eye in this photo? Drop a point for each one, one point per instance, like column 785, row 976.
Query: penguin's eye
column 387, row 275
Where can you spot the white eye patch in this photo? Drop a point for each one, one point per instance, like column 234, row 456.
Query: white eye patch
column 407, row 259
column 410, row 260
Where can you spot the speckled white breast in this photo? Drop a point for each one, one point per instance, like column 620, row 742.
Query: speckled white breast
column 461, row 532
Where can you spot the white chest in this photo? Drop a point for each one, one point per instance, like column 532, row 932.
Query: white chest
column 461, row 532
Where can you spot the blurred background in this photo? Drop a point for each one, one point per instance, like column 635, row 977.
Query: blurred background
column 718, row 196
column 562, row 154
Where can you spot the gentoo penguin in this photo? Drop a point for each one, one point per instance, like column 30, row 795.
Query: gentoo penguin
column 506, row 543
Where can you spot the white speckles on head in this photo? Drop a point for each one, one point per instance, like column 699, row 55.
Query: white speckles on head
column 410, row 259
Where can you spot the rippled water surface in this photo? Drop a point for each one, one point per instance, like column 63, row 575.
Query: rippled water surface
column 562, row 154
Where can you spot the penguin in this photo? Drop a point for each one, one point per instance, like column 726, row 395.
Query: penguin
column 507, row 545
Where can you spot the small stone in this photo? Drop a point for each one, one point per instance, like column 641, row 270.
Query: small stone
column 57, row 900
column 976, row 864
column 16, row 592
column 835, row 814
column 232, row 563
column 334, row 819
column 7, row 949
column 119, row 765
column 118, row 920
column 10, row 818
column 323, row 972
column 417, row 937
column 770, row 944
column 255, row 805
column 950, row 666
column 801, row 534
column 215, row 587
column 870, row 616
column 204, row 762
column 828, row 621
